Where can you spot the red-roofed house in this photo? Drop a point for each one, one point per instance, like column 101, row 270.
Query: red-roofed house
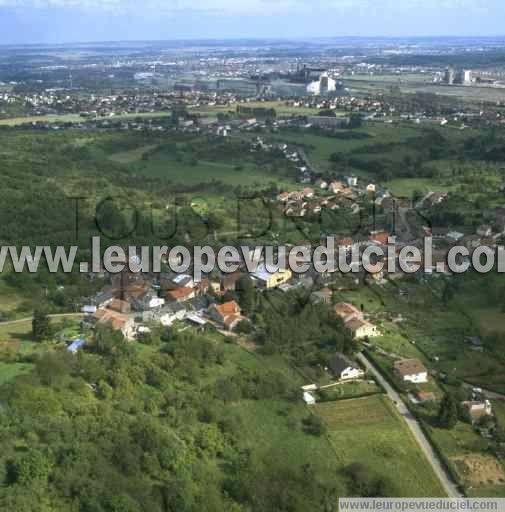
column 227, row 314
column 180, row 294
column 380, row 237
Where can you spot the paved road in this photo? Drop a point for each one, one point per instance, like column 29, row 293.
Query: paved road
column 449, row 486
column 29, row 319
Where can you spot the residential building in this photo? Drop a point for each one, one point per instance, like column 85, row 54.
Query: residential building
column 120, row 306
column 411, row 370
column 167, row 315
column 343, row 368
column 362, row 329
column 476, row 410
column 227, row 314
column 180, row 294
column 309, row 398
column 117, row 321
column 485, row 231
column 322, row 296
column 268, row 280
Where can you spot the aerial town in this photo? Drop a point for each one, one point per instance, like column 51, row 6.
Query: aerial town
column 264, row 389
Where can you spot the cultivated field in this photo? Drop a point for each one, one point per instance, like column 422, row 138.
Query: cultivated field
column 369, row 431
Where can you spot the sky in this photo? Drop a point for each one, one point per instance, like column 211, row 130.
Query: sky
column 63, row 21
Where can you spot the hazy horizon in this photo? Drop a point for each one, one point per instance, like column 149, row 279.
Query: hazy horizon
column 87, row 21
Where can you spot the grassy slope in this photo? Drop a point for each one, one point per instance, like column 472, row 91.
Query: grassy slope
column 201, row 172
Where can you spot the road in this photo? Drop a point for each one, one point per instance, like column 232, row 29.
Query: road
column 29, row 319
column 490, row 395
column 449, row 486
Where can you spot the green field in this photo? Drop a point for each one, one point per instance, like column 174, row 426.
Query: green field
column 199, row 172
column 368, row 430
column 280, row 107
column 15, row 333
column 9, row 371
column 76, row 118
column 349, row 390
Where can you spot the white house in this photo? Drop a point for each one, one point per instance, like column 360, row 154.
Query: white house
column 411, row 370
column 344, row 369
column 362, row 329
column 309, row 398
column 476, row 410
column 184, row 280
column 167, row 315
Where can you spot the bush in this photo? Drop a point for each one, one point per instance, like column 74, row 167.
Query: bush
column 314, row 425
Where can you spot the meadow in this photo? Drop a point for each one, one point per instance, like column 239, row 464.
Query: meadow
column 369, row 430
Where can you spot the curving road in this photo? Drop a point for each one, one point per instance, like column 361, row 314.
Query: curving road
column 446, row 481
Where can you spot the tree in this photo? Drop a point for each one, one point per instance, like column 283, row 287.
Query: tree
column 246, row 294
column 41, row 325
column 448, row 412
column 314, row 425
column 355, row 121
column 33, row 466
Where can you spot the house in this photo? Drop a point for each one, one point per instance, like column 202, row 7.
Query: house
column 196, row 320
column 268, row 280
column 89, row 310
column 309, row 398
column 485, row 231
column 320, row 183
column 227, row 314
column 180, row 294
column 411, row 370
column 336, row 187
column 476, row 410
column 322, row 297
column 432, row 199
column 424, row 397
column 229, row 281
column 347, row 311
column 183, row 281
column 345, row 244
column 117, row 321
column 362, row 329
column 120, row 306
column 343, row 368
column 380, row 237
column 167, row 315
column 471, row 241
column 308, row 193
column 202, row 287
column 103, row 299
column 438, row 233
column 455, row 236
column 146, row 301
